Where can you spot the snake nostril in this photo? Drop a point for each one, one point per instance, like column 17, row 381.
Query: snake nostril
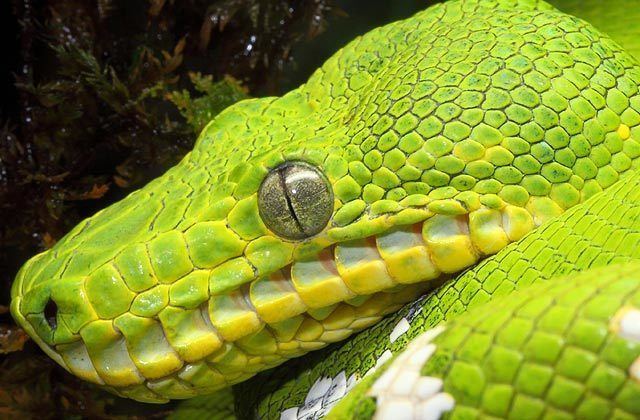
column 50, row 312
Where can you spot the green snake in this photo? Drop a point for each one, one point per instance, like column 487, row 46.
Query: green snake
column 415, row 152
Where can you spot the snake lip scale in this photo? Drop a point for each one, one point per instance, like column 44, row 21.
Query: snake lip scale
column 411, row 257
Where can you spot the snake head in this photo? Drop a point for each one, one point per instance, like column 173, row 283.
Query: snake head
column 412, row 153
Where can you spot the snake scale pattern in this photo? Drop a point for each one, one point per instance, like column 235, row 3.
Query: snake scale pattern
column 418, row 150
column 498, row 357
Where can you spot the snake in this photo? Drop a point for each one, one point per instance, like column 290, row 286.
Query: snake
column 477, row 162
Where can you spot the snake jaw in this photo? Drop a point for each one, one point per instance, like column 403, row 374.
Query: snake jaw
column 298, row 306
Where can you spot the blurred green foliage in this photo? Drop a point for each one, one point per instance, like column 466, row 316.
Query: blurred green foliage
column 214, row 97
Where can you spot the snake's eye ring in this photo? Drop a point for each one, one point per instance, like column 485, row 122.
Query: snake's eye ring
column 50, row 314
column 295, row 200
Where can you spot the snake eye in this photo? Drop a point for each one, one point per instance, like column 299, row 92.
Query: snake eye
column 50, row 312
column 295, row 200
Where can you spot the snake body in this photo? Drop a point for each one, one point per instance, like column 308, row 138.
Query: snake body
column 413, row 153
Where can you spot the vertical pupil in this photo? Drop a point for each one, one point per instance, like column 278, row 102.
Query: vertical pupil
column 295, row 200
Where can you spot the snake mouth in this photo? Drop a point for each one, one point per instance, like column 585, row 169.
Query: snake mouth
column 188, row 347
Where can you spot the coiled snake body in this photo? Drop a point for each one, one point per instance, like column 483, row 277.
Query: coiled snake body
column 416, row 151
